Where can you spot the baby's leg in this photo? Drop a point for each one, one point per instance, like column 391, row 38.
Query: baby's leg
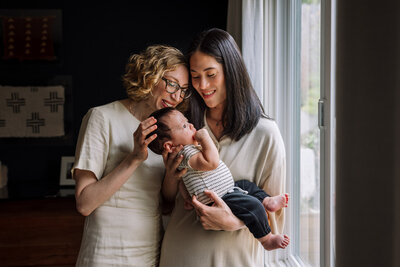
column 270, row 204
column 275, row 203
column 250, row 210
column 271, row 241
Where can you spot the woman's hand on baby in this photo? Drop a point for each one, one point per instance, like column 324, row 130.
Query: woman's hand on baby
column 172, row 177
column 140, row 150
column 217, row 217
column 171, row 162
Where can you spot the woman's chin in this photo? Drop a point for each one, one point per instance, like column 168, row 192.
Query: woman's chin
column 209, row 103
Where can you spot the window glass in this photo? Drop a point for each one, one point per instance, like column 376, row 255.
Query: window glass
column 309, row 133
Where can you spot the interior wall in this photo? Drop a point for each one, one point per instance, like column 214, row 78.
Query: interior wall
column 96, row 43
column 396, row 229
column 368, row 120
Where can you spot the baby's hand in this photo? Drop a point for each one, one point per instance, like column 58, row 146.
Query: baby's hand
column 201, row 134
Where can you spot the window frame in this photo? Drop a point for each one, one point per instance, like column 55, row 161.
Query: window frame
column 281, row 97
column 327, row 132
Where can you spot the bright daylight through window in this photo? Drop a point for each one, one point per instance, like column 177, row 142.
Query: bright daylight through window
column 309, row 213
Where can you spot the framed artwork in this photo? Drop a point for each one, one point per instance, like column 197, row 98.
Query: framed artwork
column 54, row 110
column 65, row 171
column 32, row 111
column 30, row 35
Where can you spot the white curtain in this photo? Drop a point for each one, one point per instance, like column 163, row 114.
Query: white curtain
column 246, row 25
column 253, row 42
column 254, row 24
column 267, row 33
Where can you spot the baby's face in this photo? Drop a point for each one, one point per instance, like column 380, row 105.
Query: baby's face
column 182, row 132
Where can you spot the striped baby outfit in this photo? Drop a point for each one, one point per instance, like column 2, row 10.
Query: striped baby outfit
column 219, row 180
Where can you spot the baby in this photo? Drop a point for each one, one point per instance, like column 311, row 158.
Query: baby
column 206, row 171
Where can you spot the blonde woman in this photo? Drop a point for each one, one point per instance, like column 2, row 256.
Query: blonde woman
column 118, row 179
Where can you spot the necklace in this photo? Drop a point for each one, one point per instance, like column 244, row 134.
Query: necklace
column 132, row 111
column 216, row 121
column 139, row 110
column 130, row 106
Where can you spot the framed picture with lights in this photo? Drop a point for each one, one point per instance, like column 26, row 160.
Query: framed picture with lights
column 30, row 36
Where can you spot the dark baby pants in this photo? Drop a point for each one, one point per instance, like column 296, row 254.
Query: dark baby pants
column 249, row 208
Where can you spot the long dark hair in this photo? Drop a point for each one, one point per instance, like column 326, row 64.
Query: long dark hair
column 244, row 108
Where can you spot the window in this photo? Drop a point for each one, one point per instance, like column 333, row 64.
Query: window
column 314, row 219
column 287, row 49
column 310, row 85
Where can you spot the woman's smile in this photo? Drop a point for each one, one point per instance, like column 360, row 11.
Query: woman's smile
column 208, row 94
column 166, row 104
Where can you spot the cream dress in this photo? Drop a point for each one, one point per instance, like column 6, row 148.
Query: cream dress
column 126, row 229
column 258, row 157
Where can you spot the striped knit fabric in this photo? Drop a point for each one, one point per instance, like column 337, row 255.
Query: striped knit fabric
column 219, row 180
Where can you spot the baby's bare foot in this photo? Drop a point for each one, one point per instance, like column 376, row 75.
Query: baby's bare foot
column 271, row 241
column 275, row 203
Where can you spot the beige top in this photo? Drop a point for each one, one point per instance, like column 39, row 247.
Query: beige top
column 126, row 229
column 258, row 157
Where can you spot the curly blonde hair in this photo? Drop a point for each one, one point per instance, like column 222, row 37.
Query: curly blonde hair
column 144, row 70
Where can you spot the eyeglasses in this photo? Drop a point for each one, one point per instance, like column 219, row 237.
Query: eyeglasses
column 173, row 87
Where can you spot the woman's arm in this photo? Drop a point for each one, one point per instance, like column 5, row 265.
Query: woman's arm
column 172, row 174
column 90, row 193
column 172, row 177
column 217, row 217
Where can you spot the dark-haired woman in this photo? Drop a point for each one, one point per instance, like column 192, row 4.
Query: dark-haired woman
column 249, row 143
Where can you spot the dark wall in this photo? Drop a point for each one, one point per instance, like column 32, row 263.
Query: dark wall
column 96, row 43
column 367, row 120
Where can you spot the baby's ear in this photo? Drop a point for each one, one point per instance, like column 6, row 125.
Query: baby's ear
column 168, row 146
